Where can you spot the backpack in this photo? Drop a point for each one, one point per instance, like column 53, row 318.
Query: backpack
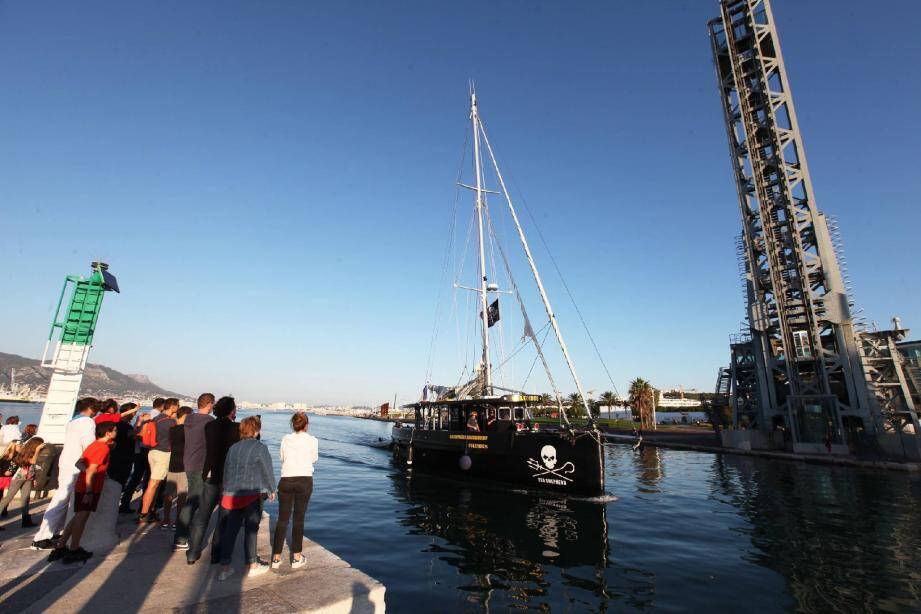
column 149, row 434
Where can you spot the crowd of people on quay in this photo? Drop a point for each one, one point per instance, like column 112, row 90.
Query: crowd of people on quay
column 188, row 465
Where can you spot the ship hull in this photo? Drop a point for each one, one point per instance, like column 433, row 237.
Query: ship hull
column 571, row 463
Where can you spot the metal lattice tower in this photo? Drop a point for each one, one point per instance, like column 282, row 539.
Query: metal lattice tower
column 808, row 371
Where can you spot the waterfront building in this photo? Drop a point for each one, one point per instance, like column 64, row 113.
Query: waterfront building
column 667, row 402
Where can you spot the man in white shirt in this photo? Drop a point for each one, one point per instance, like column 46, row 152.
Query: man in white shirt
column 80, row 432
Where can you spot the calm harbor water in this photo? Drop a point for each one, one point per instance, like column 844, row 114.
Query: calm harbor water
column 688, row 532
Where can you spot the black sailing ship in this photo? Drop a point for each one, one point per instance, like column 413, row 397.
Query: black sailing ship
column 485, row 432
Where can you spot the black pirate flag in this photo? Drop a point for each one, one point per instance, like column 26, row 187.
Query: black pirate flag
column 492, row 313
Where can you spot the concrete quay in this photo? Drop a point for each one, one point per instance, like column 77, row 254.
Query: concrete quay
column 141, row 573
column 822, row 459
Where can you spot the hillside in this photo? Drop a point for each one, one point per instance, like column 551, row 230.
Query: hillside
column 98, row 380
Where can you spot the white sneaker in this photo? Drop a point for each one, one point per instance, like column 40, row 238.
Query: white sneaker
column 258, row 569
column 276, row 564
column 298, row 563
column 224, row 575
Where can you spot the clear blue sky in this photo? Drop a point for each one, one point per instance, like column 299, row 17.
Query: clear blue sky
column 271, row 182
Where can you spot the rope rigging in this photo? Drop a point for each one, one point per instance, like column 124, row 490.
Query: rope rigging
column 559, row 273
column 481, row 366
column 528, row 329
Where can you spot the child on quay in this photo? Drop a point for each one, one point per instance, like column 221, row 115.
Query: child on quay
column 93, row 465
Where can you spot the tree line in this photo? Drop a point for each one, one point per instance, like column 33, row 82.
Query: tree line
column 641, row 400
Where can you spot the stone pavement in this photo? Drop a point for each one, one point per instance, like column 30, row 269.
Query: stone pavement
column 142, row 574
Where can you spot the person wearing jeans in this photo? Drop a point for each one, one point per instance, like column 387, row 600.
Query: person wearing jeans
column 193, row 460
column 220, row 434
column 299, row 451
column 248, row 478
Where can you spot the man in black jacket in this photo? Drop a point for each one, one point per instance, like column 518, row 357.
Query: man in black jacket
column 122, row 452
column 220, row 434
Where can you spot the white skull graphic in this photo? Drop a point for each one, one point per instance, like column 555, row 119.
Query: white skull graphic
column 548, row 455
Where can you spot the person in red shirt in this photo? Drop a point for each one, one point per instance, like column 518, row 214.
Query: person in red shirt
column 108, row 413
column 87, row 490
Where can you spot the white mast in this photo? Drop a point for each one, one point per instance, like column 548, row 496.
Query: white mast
column 540, row 285
column 484, row 302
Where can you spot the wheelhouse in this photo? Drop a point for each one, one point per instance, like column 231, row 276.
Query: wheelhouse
column 486, row 415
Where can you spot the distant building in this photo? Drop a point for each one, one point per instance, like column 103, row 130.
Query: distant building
column 615, row 412
column 666, row 402
column 676, row 398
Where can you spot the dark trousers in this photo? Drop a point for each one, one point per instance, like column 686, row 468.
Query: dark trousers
column 192, row 504
column 293, row 495
column 210, row 499
column 139, row 475
column 249, row 518
column 120, row 471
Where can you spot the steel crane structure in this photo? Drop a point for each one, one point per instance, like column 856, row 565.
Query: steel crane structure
column 801, row 372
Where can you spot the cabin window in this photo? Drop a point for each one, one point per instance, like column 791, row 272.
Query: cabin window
column 444, row 418
column 475, row 420
column 457, row 419
column 505, row 413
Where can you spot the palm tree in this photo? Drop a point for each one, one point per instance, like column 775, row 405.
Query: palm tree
column 575, row 403
column 643, row 400
column 547, row 405
column 595, row 407
column 610, row 399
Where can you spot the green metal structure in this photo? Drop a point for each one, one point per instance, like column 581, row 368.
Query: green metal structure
column 66, row 355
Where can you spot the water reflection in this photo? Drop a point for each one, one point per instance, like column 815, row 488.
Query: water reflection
column 649, row 467
column 842, row 539
column 509, row 546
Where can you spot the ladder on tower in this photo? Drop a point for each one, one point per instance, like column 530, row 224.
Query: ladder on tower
column 723, row 381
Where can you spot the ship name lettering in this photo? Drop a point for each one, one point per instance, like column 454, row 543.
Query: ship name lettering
column 552, row 481
column 469, row 437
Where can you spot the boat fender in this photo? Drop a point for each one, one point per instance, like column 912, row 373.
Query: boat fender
column 465, row 462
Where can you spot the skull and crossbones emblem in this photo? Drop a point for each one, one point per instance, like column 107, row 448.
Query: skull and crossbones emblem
column 547, row 465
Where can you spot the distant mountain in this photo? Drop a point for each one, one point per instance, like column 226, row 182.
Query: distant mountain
column 98, row 380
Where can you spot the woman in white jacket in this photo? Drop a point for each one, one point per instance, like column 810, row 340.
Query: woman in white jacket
column 299, row 451
column 248, row 479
